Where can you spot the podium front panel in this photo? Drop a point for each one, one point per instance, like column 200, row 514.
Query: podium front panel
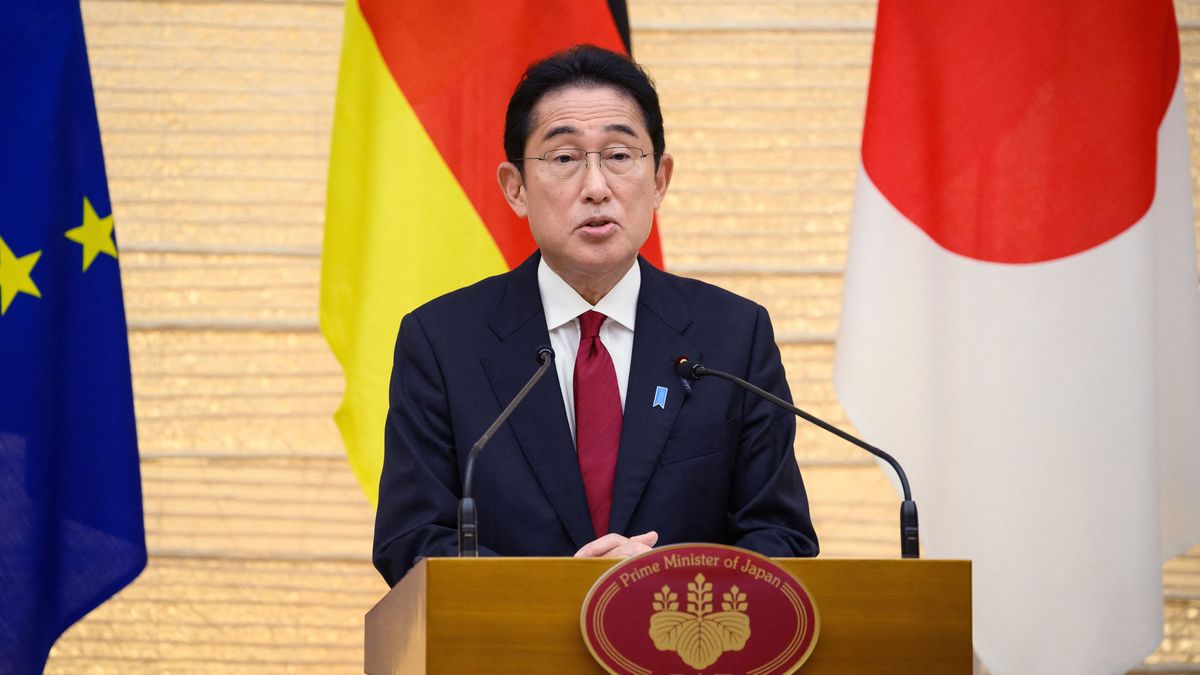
column 521, row 615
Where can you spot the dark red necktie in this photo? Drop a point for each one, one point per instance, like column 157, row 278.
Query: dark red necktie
column 597, row 419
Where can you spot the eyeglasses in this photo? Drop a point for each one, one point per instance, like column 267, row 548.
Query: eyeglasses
column 616, row 161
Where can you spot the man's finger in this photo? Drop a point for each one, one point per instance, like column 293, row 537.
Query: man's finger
column 648, row 538
column 627, row 550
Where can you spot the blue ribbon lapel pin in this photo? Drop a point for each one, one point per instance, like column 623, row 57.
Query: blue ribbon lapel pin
column 660, row 398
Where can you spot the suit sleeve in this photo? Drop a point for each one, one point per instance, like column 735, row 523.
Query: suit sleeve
column 420, row 484
column 768, row 504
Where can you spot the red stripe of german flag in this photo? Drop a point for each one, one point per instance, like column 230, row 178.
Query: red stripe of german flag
column 457, row 64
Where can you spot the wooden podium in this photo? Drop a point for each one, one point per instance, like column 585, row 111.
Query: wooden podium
column 521, row 615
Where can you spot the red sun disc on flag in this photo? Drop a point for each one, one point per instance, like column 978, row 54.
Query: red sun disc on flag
column 702, row 608
column 1019, row 132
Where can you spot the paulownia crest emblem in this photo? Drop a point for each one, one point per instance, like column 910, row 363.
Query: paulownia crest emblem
column 699, row 636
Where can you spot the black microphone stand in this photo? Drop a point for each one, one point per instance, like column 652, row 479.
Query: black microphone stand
column 468, row 518
column 909, row 534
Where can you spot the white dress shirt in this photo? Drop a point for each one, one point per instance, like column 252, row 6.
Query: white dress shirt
column 563, row 306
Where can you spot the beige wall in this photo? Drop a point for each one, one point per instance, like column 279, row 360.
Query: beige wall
column 215, row 118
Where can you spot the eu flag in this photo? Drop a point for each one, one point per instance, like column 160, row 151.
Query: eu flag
column 71, row 530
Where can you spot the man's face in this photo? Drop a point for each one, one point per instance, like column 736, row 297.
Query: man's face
column 589, row 226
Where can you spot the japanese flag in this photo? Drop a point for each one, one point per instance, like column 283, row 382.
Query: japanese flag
column 1021, row 324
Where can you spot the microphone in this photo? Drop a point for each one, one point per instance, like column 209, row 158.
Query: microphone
column 909, row 534
column 468, row 518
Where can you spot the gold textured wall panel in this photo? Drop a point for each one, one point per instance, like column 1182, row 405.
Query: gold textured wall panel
column 215, row 116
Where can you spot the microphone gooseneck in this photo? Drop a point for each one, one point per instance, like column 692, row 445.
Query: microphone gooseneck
column 909, row 531
column 468, row 517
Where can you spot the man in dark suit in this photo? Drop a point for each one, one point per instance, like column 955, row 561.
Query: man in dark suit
column 616, row 454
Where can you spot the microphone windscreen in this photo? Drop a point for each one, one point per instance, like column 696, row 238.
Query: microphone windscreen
column 685, row 368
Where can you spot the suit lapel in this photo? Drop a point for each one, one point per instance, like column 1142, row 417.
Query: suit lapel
column 657, row 341
column 540, row 423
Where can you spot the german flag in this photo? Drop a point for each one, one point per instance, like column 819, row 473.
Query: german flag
column 413, row 207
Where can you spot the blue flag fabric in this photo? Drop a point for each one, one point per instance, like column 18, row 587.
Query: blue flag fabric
column 71, row 531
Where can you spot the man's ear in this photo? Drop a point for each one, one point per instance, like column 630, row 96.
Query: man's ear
column 662, row 178
column 512, row 184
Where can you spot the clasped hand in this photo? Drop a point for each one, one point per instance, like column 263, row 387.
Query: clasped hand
column 613, row 545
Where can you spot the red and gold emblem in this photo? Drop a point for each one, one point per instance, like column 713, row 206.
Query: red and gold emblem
column 699, row 608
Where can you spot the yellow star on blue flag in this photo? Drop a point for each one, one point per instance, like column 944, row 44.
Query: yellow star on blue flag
column 15, row 275
column 95, row 234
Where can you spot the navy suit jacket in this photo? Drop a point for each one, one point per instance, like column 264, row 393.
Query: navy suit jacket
column 714, row 465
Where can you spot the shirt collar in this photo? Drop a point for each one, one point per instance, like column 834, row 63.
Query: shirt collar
column 562, row 304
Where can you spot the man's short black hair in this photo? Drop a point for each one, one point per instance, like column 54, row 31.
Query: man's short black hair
column 585, row 65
